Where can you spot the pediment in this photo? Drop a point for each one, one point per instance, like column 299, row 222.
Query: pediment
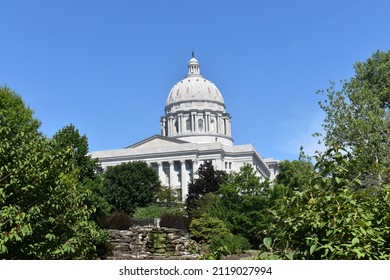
column 157, row 141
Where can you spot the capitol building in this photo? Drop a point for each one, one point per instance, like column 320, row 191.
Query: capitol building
column 196, row 128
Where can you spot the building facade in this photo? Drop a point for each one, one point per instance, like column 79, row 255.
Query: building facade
column 194, row 129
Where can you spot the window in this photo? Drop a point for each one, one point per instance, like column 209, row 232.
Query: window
column 188, row 164
column 200, row 124
column 228, row 165
column 177, row 165
column 212, row 124
column 154, row 165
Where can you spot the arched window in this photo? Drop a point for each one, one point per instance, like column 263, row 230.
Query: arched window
column 200, row 124
column 212, row 125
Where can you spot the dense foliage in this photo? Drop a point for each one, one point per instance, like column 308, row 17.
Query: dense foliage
column 358, row 117
column 175, row 220
column 205, row 228
column 88, row 176
column 341, row 211
column 43, row 213
column 117, row 220
column 208, row 181
column 333, row 217
column 246, row 203
column 130, row 185
column 69, row 138
column 233, row 244
column 336, row 209
column 154, row 211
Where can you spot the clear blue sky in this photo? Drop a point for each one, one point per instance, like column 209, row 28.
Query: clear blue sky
column 108, row 66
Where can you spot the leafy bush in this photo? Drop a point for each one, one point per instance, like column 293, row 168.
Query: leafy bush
column 206, row 227
column 334, row 218
column 154, row 211
column 167, row 197
column 175, row 221
column 130, row 185
column 104, row 249
column 217, row 254
column 235, row 244
column 117, row 220
column 44, row 213
column 208, row 181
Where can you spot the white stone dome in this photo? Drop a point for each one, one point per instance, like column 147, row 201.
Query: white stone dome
column 194, row 88
column 195, row 110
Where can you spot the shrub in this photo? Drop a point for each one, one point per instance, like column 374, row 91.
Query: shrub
column 175, row 221
column 154, row 211
column 130, row 185
column 117, row 220
column 104, row 249
column 206, row 227
column 235, row 244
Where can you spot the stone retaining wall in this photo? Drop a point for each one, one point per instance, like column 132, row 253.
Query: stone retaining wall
column 152, row 243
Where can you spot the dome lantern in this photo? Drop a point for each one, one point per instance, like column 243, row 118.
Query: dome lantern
column 193, row 67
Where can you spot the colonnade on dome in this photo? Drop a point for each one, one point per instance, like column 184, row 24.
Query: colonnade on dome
column 199, row 123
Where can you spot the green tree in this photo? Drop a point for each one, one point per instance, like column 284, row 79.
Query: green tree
column 343, row 210
column 70, row 137
column 208, row 181
column 130, row 185
column 334, row 218
column 167, row 197
column 42, row 213
column 358, row 118
column 90, row 180
column 246, row 201
column 243, row 203
column 205, row 228
column 295, row 174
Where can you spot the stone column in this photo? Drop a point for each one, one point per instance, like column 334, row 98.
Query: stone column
column 173, row 126
column 171, row 174
column 195, row 168
column 218, row 164
column 229, row 127
column 191, row 118
column 169, row 127
column 161, row 172
column 193, row 122
column 180, row 123
column 184, row 180
column 183, row 124
column 163, row 131
column 218, row 123
column 208, row 121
